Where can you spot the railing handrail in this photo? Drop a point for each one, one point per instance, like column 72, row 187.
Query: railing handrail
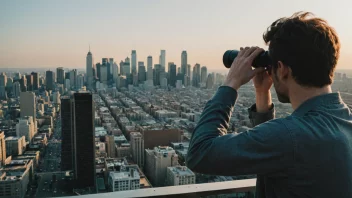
column 194, row 190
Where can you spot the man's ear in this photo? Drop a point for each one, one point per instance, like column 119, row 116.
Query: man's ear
column 283, row 71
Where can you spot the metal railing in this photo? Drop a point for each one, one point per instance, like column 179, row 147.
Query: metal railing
column 245, row 187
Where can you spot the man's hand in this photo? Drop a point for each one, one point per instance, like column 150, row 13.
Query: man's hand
column 241, row 70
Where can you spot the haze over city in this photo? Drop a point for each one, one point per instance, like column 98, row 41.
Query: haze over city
column 48, row 34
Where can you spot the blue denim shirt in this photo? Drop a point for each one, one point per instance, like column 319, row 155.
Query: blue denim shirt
column 307, row 154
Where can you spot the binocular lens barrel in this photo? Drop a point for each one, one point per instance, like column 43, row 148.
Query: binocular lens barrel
column 262, row 60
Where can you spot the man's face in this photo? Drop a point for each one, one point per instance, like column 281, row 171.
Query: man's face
column 280, row 87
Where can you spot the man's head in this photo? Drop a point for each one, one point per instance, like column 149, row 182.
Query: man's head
column 304, row 50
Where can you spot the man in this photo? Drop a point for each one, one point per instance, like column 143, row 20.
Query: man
column 307, row 154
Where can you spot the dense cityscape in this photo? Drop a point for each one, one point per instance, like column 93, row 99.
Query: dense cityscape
column 112, row 126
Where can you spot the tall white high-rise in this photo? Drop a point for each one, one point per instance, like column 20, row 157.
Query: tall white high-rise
column 28, row 106
column 137, row 147
column 134, row 61
column 162, row 60
column 150, row 68
column 25, row 127
column 89, row 69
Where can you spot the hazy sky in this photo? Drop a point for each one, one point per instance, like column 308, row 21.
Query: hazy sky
column 58, row 33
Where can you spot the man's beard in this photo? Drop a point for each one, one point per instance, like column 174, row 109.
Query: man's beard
column 282, row 97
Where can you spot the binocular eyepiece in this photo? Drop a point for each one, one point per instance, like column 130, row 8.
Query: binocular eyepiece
column 262, row 60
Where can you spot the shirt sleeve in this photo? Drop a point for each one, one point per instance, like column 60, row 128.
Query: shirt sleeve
column 263, row 149
column 257, row 118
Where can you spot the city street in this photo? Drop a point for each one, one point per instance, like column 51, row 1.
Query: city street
column 49, row 185
column 49, row 188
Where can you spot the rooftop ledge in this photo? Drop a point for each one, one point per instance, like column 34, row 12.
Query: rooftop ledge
column 194, row 190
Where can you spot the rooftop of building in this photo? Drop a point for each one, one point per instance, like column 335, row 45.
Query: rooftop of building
column 131, row 174
column 12, row 138
column 113, row 163
column 181, row 171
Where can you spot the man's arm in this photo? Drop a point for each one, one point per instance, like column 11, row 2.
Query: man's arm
column 263, row 149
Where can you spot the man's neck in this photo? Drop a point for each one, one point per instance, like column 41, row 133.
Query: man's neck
column 300, row 94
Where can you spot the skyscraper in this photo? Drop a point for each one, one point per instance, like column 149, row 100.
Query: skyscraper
column 97, row 67
column 49, row 79
column 134, row 61
column 184, row 63
column 162, row 60
column 196, row 75
column 23, row 83
column 9, row 83
column 115, row 71
column 141, row 72
column 188, row 75
column 84, row 145
column 80, row 81
column 2, row 149
column 126, row 68
column 60, row 75
column 3, row 82
column 150, row 68
column 89, row 69
column 16, row 89
column 110, row 69
column 137, row 147
column 67, row 135
column 29, row 82
column 210, row 81
column 104, row 74
column 105, row 70
column 35, row 81
column 17, row 76
column 172, row 74
column 157, row 72
column 28, row 106
column 73, row 78
column 203, row 74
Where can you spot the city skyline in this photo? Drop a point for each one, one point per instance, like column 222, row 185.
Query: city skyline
column 57, row 34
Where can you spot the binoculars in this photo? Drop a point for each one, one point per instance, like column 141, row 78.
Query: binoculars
column 262, row 60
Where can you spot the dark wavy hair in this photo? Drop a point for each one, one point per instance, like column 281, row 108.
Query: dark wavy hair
column 306, row 44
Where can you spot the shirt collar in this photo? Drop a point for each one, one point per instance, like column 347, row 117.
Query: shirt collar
column 313, row 103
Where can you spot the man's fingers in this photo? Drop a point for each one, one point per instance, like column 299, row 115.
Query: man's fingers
column 249, row 51
column 258, row 70
column 255, row 53
column 242, row 50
